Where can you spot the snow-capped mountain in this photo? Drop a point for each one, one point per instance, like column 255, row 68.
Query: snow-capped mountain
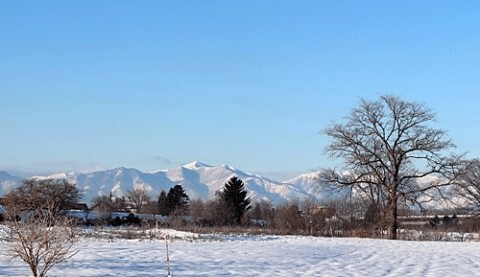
column 200, row 181
column 8, row 182
column 309, row 183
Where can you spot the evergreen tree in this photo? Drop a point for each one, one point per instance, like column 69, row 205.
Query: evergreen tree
column 236, row 200
column 162, row 203
column 177, row 199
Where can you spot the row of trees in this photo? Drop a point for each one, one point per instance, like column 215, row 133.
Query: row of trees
column 43, row 232
column 232, row 202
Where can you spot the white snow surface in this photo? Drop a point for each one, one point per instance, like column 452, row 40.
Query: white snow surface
column 221, row 255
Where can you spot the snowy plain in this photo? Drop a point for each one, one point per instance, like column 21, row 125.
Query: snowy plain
column 221, row 255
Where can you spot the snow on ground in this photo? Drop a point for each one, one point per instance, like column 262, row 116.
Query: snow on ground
column 193, row 255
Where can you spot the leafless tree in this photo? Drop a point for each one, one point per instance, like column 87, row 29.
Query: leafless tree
column 267, row 210
column 288, row 218
column 41, row 235
column 468, row 187
column 49, row 197
column 388, row 146
column 41, row 244
column 139, row 197
column 215, row 212
column 151, row 207
column 309, row 208
column 197, row 210
column 103, row 203
column 262, row 214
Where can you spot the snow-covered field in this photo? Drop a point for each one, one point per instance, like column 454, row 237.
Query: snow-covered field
column 191, row 255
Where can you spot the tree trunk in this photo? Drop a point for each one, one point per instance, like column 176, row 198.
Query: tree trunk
column 392, row 216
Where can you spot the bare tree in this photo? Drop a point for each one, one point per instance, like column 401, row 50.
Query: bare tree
column 42, row 237
column 288, row 218
column 45, row 196
column 139, row 197
column 217, row 213
column 39, row 244
column 103, row 203
column 262, row 213
column 388, row 146
column 468, row 187
column 309, row 208
column 267, row 212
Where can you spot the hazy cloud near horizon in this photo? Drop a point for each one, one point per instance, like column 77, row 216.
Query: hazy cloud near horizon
column 164, row 161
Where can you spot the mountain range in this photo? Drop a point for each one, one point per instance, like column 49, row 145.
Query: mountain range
column 8, row 182
column 200, row 181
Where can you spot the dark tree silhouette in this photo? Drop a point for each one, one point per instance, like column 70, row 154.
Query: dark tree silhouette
column 236, row 200
column 177, row 200
column 162, row 203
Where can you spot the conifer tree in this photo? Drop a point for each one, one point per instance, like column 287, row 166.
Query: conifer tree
column 162, row 203
column 236, row 201
column 177, row 199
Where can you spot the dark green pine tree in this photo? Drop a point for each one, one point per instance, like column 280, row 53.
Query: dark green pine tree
column 236, row 201
column 162, row 203
column 177, row 200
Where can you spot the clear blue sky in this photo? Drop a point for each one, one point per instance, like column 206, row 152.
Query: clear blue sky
column 88, row 85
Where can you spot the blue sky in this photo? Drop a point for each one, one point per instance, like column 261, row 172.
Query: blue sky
column 88, row 85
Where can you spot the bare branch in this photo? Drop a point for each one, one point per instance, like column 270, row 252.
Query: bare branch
column 41, row 236
column 388, row 149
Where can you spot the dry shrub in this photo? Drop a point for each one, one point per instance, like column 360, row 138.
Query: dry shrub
column 41, row 242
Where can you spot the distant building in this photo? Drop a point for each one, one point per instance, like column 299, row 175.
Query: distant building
column 80, row 207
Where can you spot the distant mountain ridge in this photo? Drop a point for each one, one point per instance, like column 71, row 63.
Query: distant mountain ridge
column 200, row 181
column 8, row 182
